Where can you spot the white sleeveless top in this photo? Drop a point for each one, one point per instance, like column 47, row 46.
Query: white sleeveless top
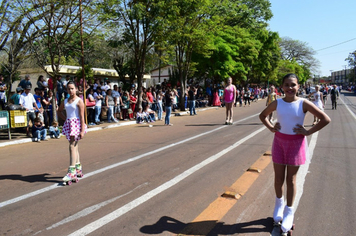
column 72, row 108
column 289, row 114
column 317, row 101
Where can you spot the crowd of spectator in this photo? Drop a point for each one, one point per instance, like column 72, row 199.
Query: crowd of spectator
column 111, row 103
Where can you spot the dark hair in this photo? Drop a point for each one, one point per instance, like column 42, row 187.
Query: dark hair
column 40, row 77
column 37, row 119
column 291, row 75
column 71, row 82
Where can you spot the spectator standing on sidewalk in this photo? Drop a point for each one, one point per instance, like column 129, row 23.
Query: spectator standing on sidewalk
column 168, row 106
column 28, row 102
column 25, row 82
column 98, row 104
column 289, row 149
column 74, row 129
column 3, row 89
column 159, row 104
column 15, row 98
column 191, row 100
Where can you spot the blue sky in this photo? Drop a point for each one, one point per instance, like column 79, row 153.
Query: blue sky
column 321, row 24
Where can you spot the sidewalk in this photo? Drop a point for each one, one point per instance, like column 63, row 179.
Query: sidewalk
column 18, row 135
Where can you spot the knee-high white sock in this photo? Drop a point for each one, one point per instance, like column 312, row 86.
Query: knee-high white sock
column 288, row 218
column 278, row 209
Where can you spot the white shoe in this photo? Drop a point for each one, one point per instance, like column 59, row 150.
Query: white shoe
column 288, row 219
column 278, row 210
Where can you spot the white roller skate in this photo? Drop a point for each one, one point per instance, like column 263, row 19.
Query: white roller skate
column 71, row 176
column 287, row 223
column 78, row 168
column 278, row 211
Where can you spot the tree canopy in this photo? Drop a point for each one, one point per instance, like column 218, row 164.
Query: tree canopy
column 204, row 39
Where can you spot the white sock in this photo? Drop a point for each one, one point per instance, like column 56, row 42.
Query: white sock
column 288, row 219
column 278, row 210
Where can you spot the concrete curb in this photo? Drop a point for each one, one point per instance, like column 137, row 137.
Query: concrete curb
column 116, row 125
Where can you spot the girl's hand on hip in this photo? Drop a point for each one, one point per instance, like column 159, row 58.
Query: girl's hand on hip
column 299, row 129
column 276, row 127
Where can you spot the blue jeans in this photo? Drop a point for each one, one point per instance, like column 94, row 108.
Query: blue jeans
column 168, row 115
column 111, row 113
column 159, row 111
column 192, row 107
column 97, row 113
column 41, row 134
column 53, row 132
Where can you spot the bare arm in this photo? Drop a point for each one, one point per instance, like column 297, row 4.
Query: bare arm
column 324, row 119
column 264, row 114
column 81, row 117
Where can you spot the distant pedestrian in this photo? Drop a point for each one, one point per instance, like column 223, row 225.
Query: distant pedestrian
column 334, row 95
column 168, row 106
column 74, row 129
column 229, row 99
column 317, row 99
column 289, row 144
column 272, row 96
column 191, row 100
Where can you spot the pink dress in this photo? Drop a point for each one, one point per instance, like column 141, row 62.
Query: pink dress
column 72, row 125
column 216, row 99
column 229, row 94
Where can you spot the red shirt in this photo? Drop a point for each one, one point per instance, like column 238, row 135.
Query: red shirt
column 150, row 97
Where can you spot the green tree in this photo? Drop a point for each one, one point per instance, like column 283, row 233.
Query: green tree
column 300, row 52
column 184, row 31
column 140, row 23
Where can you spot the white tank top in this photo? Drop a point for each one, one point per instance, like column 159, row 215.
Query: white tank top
column 289, row 114
column 72, row 108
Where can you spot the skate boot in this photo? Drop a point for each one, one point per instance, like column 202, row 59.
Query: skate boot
column 278, row 211
column 78, row 168
column 287, row 223
column 71, row 176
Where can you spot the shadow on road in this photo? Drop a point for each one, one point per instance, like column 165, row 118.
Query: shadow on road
column 210, row 228
column 32, row 178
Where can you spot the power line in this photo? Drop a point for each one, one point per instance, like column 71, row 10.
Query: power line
column 336, row 44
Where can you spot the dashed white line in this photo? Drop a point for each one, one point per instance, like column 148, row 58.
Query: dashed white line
column 135, row 203
column 49, row 188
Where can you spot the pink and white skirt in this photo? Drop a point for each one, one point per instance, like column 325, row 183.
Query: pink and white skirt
column 72, row 128
column 289, row 149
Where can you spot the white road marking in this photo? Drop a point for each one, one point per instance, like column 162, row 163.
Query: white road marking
column 135, row 203
column 347, row 107
column 89, row 210
column 49, row 188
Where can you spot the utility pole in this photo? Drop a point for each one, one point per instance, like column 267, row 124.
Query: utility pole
column 83, row 72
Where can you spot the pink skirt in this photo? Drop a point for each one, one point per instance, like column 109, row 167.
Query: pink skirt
column 289, row 149
column 72, row 128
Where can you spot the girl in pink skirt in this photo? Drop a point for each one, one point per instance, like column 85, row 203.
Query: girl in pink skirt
column 74, row 129
column 289, row 145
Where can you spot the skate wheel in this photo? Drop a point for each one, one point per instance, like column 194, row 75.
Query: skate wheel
column 76, row 180
column 293, row 227
column 69, row 183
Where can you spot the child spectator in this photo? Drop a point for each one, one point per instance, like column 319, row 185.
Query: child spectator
column 54, row 131
column 39, row 132
column 150, row 114
column 140, row 116
column 15, row 99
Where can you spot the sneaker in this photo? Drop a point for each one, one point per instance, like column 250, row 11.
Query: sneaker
column 116, row 121
column 170, row 124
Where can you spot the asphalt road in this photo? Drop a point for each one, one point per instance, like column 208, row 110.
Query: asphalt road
column 169, row 180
